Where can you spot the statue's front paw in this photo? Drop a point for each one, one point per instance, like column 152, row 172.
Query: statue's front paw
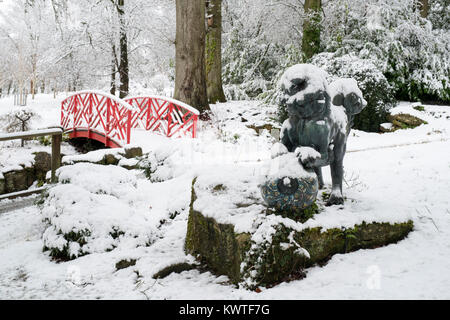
column 307, row 156
column 335, row 199
column 308, row 163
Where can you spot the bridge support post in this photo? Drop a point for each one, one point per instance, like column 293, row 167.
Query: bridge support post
column 56, row 155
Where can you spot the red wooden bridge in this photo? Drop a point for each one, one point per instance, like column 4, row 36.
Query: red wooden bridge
column 108, row 119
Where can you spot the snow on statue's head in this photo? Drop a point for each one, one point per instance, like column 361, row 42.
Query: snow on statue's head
column 305, row 91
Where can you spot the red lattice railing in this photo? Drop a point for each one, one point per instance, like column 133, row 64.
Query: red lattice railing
column 164, row 115
column 106, row 118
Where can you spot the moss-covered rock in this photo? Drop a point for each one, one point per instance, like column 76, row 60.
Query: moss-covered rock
column 133, row 152
column 22, row 179
column 216, row 244
column 404, row 121
column 174, row 268
column 130, row 164
column 288, row 252
column 127, row 158
column 18, row 180
column 123, row 264
column 2, row 184
column 42, row 164
column 110, row 159
column 300, row 215
column 419, row 108
column 258, row 129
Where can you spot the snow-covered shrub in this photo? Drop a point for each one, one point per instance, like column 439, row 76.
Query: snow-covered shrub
column 18, row 120
column 412, row 52
column 235, row 92
column 373, row 84
column 251, row 66
column 419, row 63
column 165, row 165
column 291, row 55
column 439, row 14
column 157, row 166
column 148, row 164
column 94, row 209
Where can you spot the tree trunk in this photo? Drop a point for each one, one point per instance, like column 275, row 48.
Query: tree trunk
column 190, row 69
column 33, row 75
column 9, row 87
column 32, row 88
column 123, row 42
column 311, row 28
column 424, row 6
column 214, row 52
column 113, row 70
column 22, row 141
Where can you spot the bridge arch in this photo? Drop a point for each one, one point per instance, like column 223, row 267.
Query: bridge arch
column 103, row 117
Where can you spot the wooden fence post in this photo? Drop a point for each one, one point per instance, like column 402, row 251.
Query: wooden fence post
column 56, row 155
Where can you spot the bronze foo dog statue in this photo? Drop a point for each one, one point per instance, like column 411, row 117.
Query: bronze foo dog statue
column 320, row 117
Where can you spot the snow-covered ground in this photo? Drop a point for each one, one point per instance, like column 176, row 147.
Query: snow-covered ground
column 402, row 173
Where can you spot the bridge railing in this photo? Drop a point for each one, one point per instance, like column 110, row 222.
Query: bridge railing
column 167, row 116
column 98, row 113
column 104, row 117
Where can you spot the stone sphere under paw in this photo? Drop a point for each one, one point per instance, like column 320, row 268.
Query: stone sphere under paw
column 289, row 193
